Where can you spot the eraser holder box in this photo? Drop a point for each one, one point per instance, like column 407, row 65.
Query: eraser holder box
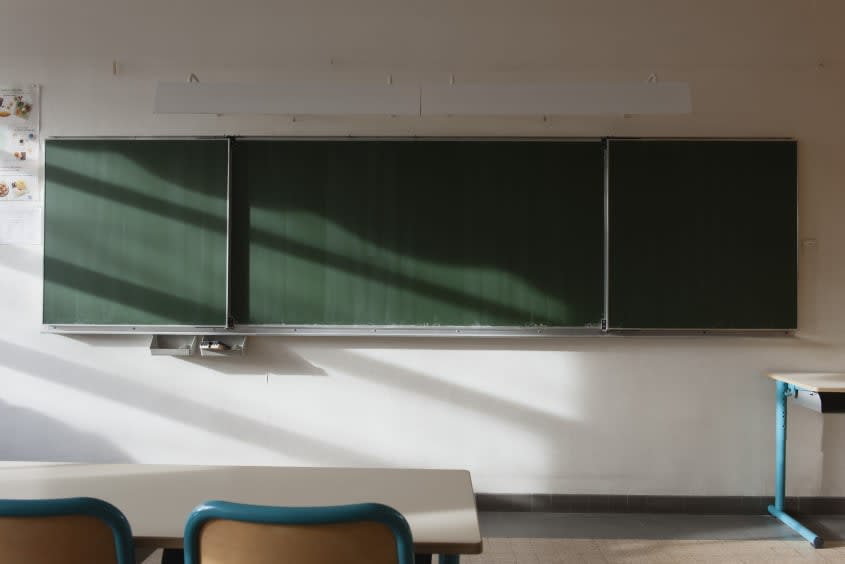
column 174, row 345
column 236, row 345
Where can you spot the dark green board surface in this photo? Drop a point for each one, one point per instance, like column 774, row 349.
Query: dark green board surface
column 417, row 232
column 135, row 232
column 703, row 234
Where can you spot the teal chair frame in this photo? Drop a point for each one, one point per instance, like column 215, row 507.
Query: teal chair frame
column 269, row 515
column 87, row 506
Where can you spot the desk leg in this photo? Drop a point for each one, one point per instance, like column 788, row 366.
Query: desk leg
column 780, row 444
column 782, row 392
column 422, row 558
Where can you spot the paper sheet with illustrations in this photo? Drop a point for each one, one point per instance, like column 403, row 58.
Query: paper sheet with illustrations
column 20, row 145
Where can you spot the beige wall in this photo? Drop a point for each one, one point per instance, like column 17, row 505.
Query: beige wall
column 577, row 415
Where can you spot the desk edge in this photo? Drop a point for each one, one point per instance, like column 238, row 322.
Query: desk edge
column 419, row 547
column 794, row 379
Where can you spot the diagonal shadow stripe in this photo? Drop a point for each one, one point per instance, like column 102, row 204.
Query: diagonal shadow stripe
column 181, row 410
column 120, row 194
column 121, row 291
column 26, row 432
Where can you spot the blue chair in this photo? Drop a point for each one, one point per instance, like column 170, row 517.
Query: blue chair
column 233, row 533
column 58, row 531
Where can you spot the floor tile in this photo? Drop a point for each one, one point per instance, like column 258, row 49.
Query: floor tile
column 564, row 538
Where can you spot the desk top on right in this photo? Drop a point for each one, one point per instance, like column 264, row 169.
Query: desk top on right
column 813, row 381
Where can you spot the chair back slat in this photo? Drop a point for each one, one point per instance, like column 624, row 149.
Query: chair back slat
column 56, row 540
column 235, row 542
column 221, row 532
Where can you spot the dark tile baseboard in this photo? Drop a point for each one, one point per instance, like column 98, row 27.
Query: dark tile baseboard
column 700, row 505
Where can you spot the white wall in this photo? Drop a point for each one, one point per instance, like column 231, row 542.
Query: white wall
column 577, row 415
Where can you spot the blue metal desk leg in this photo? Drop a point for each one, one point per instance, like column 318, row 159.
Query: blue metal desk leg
column 783, row 390
column 450, row 558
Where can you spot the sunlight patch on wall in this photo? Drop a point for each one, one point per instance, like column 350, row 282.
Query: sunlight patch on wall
column 538, row 381
column 426, row 407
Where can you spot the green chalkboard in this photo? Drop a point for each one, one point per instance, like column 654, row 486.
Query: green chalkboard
column 703, row 234
column 417, row 232
column 135, row 232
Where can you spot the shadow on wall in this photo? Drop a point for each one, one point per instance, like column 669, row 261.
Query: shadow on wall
column 29, row 435
column 212, row 419
column 574, row 443
column 262, row 353
column 21, row 259
column 575, row 438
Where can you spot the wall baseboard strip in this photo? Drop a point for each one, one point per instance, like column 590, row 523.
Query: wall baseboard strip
column 699, row 505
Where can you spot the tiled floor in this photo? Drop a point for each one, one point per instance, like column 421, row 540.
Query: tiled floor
column 558, row 538
column 637, row 551
column 653, row 526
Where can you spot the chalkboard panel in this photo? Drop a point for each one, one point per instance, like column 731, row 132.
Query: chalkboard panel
column 417, row 233
column 703, row 234
column 135, row 232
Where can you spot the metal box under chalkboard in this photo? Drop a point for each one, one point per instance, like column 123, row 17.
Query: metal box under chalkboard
column 235, row 345
column 173, row 345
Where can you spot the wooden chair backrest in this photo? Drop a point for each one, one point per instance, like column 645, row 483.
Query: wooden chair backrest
column 236, row 542
column 57, row 539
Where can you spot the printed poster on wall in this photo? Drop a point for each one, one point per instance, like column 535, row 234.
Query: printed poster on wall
column 20, row 145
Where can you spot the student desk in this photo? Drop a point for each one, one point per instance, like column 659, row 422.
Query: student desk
column 823, row 392
column 156, row 499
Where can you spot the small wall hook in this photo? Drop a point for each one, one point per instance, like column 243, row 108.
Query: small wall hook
column 193, row 78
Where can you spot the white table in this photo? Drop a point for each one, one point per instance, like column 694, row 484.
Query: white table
column 156, row 499
column 800, row 386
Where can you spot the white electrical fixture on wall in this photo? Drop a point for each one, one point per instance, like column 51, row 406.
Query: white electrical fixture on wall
column 336, row 97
